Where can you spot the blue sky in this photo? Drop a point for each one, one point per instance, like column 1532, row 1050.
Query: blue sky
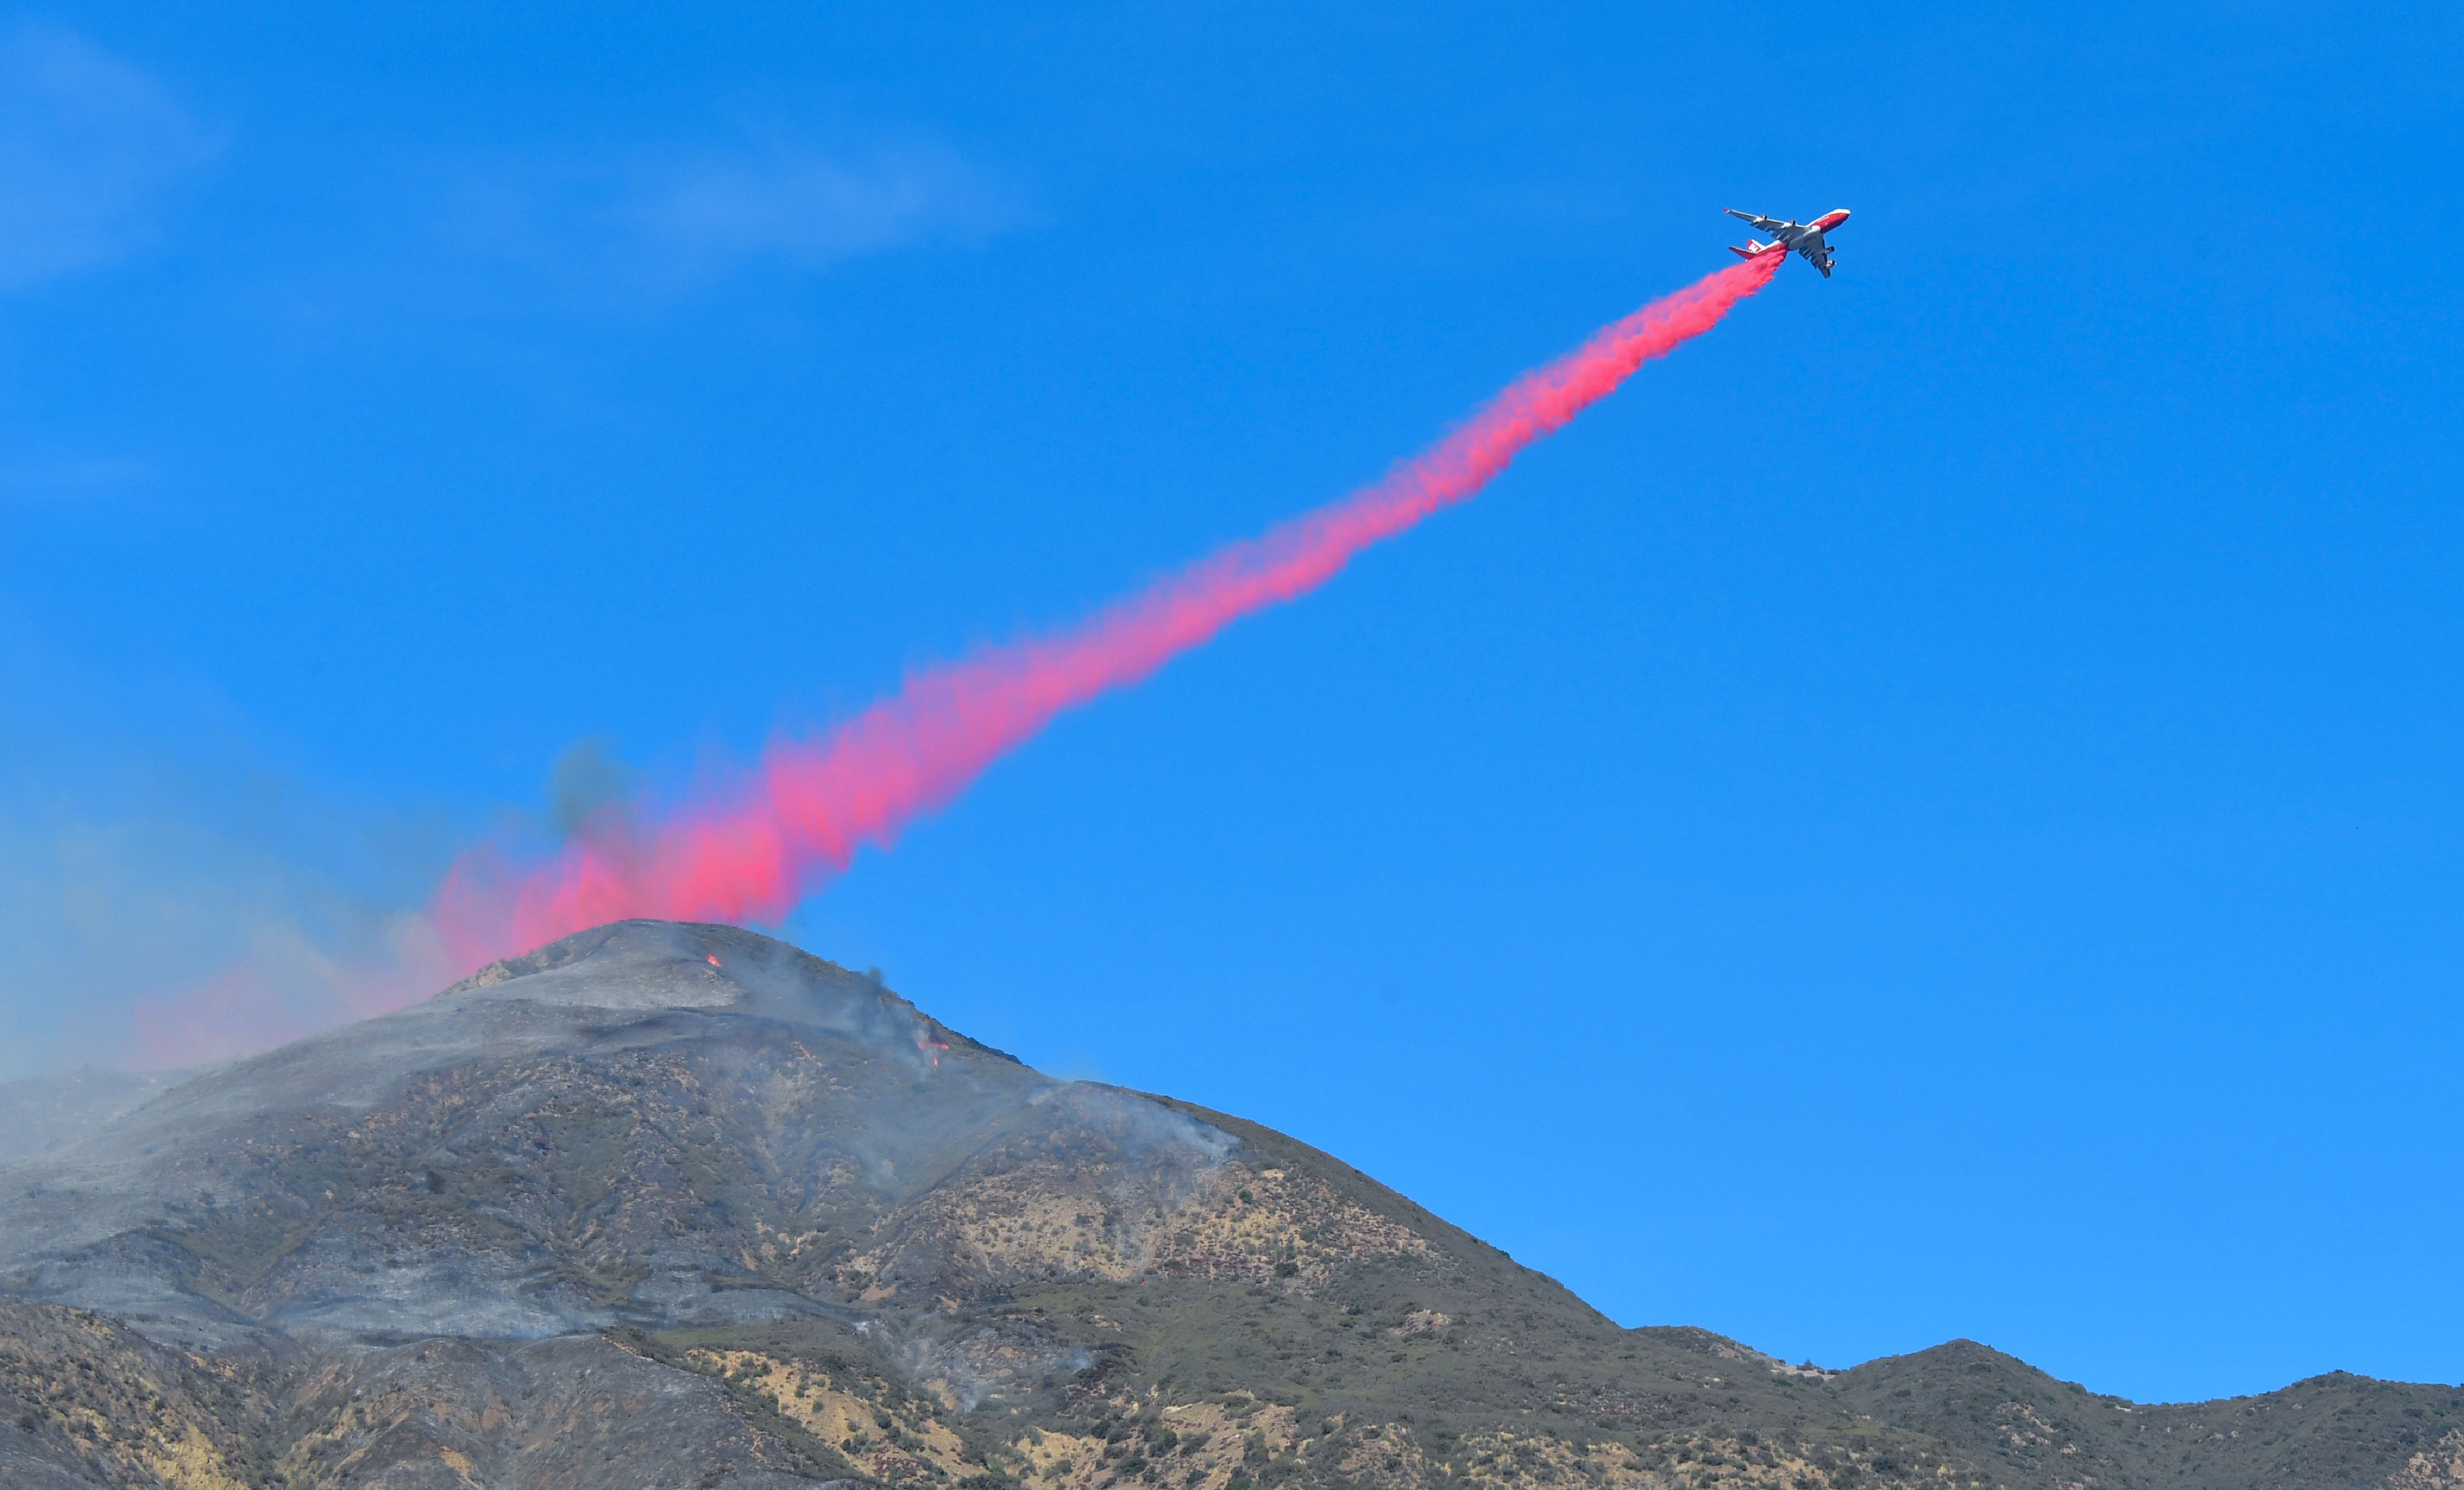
column 1933, row 813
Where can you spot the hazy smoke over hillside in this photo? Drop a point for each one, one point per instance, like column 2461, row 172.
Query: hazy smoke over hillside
column 749, row 849
column 178, row 902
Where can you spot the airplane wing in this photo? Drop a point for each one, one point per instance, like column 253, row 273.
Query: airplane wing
column 1760, row 224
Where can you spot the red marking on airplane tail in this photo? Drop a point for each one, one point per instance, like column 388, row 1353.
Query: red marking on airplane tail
column 748, row 848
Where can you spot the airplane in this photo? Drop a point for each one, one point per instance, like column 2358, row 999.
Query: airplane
column 1805, row 237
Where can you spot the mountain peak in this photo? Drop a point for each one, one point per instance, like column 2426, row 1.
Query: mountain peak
column 666, row 964
column 643, row 966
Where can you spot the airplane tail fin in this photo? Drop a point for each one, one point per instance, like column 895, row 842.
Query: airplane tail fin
column 1741, row 253
column 1750, row 249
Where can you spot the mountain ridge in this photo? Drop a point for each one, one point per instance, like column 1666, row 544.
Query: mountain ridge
column 680, row 1204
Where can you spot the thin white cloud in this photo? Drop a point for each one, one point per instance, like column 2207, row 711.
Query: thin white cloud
column 809, row 208
column 673, row 219
column 88, row 146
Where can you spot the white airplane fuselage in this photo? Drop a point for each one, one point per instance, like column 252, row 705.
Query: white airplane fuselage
column 1801, row 238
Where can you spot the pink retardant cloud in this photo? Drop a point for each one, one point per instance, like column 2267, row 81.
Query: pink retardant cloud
column 749, row 848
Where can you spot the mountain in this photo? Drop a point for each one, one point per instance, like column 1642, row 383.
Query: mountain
column 680, row 1205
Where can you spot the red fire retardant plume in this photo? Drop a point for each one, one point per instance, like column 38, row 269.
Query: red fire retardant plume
column 750, row 849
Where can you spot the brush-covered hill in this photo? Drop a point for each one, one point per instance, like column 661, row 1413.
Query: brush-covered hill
column 680, row 1205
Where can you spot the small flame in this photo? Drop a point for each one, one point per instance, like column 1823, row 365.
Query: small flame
column 712, row 960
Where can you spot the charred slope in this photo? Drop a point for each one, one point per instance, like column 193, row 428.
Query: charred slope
column 47, row 1111
column 679, row 1205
